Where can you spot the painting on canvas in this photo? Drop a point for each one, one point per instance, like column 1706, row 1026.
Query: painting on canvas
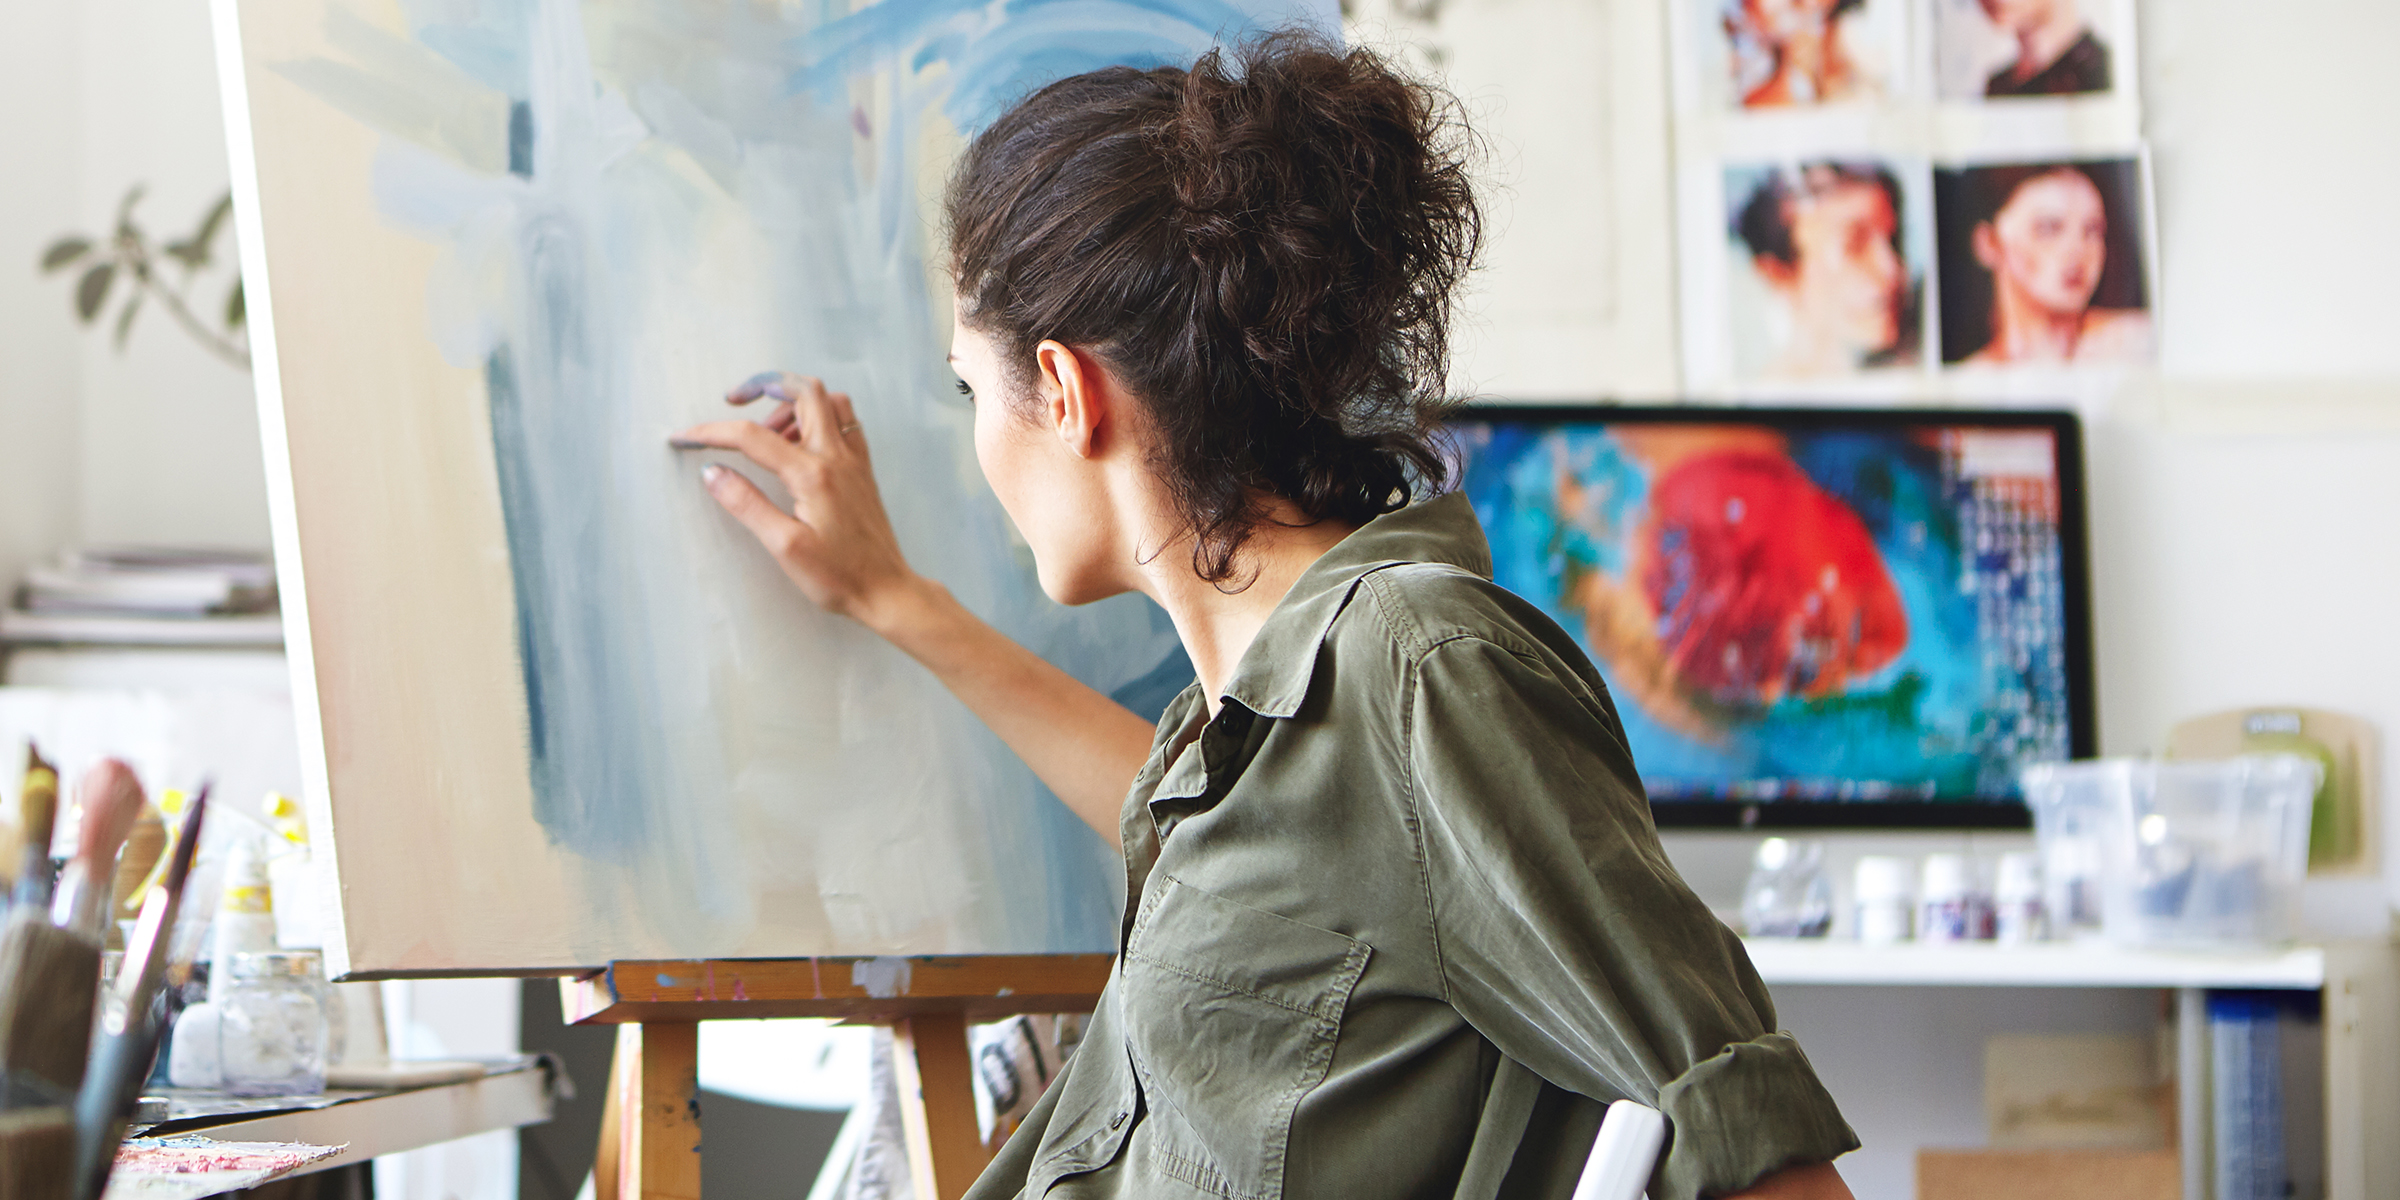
column 555, row 708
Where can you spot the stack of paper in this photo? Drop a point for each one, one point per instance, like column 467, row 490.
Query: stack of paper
column 133, row 595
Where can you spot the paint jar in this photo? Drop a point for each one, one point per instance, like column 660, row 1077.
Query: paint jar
column 1951, row 907
column 1787, row 894
column 270, row 1025
column 2017, row 913
column 1886, row 905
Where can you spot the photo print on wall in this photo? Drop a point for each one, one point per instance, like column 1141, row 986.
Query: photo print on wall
column 1999, row 49
column 2044, row 263
column 1790, row 53
column 1826, row 267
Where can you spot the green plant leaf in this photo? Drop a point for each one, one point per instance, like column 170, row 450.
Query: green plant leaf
column 125, row 320
column 65, row 252
column 133, row 196
column 204, row 239
column 92, row 290
column 237, row 313
column 191, row 256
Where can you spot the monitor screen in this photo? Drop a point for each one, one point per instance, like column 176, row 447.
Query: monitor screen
column 1837, row 617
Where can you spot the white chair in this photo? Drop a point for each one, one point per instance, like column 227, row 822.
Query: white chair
column 1624, row 1154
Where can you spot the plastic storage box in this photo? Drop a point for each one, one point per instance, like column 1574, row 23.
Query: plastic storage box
column 2179, row 853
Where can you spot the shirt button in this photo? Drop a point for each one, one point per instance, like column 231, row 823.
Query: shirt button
column 1116, row 1120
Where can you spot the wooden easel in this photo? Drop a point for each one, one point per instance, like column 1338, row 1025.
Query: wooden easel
column 650, row 1133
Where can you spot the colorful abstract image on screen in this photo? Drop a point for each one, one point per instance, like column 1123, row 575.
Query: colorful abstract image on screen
column 1870, row 613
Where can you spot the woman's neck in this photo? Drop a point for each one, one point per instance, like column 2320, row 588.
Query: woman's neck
column 2024, row 331
column 1216, row 625
column 2045, row 42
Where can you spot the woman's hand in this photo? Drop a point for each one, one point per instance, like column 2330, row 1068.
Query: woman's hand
column 838, row 545
column 836, row 542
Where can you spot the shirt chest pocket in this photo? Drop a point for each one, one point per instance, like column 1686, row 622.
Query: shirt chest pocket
column 1231, row 1013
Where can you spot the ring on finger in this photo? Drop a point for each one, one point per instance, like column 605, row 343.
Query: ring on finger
column 849, row 429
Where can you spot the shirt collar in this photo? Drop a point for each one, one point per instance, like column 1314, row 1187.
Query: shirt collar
column 1272, row 678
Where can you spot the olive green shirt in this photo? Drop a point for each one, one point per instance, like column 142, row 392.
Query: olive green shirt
column 1399, row 925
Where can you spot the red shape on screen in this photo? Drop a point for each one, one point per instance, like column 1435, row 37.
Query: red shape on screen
column 1765, row 584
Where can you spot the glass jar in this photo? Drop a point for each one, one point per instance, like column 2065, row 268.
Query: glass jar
column 271, row 1025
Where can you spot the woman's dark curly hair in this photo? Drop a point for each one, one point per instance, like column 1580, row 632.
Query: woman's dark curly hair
column 1261, row 249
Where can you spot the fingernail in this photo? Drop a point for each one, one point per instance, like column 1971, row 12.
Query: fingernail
column 680, row 442
column 710, row 474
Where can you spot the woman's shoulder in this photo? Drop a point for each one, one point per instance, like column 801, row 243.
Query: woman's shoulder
column 2114, row 335
column 1420, row 607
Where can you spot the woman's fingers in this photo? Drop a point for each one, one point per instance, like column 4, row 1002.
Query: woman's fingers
column 754, row 441
column 788, row 539
column 779, row 384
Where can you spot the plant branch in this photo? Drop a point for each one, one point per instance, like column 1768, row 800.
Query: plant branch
column 237, row 353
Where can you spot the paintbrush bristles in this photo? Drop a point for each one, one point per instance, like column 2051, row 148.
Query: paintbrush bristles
column 51, row 978
column 37, row 814
column 110, row 797
column 143, row 848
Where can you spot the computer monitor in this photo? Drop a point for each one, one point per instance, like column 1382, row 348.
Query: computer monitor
column 1807, row 617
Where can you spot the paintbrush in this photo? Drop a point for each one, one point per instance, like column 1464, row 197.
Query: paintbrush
column 131, row 1026
column 110, row 799
column 37, row 1153
column 46, row 974
column 37, row 812
column 144, row 847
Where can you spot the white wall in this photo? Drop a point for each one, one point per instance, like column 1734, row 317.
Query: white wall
column 170, row 449
column 159, row 444
column 39, row 416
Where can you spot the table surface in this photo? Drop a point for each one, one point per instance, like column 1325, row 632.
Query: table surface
column 367, row 1124
column 2044, row 964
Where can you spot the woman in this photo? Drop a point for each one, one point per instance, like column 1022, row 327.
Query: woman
column 1825, row 240
column 1789, row 52
column 1398, row 923
column 2045, row 244
column 2057, row 53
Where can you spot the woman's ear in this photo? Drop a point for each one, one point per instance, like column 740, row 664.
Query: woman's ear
column 1073, row 394
column 1987, row 246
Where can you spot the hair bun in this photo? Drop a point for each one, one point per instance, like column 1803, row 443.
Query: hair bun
column 1263, row 247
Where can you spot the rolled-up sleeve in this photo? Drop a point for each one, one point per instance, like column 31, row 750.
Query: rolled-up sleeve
column 1566, row 938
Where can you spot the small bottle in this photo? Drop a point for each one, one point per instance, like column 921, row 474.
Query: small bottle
column 2018, row 915
column 1951, row 907
column 1885, row 906
column 1787, row 894
column 270, row 1026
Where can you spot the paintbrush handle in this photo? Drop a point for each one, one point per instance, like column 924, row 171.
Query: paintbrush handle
column 113, row 1081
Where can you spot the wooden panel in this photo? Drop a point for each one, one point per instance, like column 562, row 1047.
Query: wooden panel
column 657, row 1103
column 2049, row 1174
column 976, row 987
column 933, row 1070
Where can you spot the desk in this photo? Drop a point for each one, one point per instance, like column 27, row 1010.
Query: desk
column 2360, row 982
column 379, row 1123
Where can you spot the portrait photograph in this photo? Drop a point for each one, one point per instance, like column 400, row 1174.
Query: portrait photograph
column 1764, row 55
column 1825, row 264
column 2004, row 49
column 2043, row 263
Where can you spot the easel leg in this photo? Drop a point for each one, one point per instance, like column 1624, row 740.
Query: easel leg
column 937, row 1104
column 650, row 1128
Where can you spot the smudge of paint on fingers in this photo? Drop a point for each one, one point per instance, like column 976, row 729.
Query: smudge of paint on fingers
column 883, row 977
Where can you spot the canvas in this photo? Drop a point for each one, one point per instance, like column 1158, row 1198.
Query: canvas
column 556, row 708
